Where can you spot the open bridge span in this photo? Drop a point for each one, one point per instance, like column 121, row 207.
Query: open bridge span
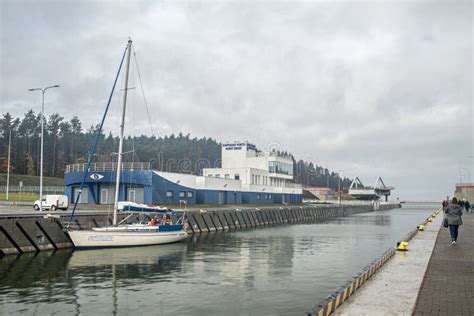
column 361, row 192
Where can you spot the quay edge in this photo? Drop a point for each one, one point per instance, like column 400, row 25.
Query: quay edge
column 30, row 233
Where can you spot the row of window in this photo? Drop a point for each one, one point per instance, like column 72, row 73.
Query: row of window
column 265, row 196
column 259, row 180
column 264, row 180
column 181, row 194
column 226, row 176
column 280, row 167
column 275, row 182
column 190, row 194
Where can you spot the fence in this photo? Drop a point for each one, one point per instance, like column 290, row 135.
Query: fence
column 33, row 189
column 108, row 166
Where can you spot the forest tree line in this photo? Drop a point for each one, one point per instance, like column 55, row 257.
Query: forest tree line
column 67, row 142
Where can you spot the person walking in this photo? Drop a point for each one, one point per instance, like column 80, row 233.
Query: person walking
column 467, row 205
column 445, row 203
column 453, row 214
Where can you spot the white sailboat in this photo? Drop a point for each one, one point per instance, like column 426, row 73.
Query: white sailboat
column 127, row 234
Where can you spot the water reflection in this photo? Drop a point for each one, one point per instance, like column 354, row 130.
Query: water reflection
column 134, row 262
column 273, row 270
column 117, row 268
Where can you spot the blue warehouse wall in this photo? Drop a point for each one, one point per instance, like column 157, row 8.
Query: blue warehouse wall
column 161, row 186
column 234, row 197
column 212, row 197
column 208, row 197
column 128, row 179
column 260, row 198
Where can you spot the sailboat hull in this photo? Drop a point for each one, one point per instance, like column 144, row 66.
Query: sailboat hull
column 106, row 239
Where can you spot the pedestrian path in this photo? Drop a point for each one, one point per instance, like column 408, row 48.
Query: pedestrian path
column 394, row 288
column 448, row 285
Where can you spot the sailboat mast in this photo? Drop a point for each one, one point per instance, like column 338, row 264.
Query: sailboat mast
column 122, row 125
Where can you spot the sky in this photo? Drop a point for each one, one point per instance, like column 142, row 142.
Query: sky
column 366, row 88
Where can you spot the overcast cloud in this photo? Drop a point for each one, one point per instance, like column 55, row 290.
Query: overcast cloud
column 370, row 88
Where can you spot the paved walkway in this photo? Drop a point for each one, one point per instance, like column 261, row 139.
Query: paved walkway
column 394, row 288
column 448, row 285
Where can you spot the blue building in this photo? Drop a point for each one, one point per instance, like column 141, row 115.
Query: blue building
column 248, row 176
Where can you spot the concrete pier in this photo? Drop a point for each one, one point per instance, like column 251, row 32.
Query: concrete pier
column 432, row 278
column 394, row 288
column 38, row 232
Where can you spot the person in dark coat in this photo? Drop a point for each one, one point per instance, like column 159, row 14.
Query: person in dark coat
column 467, row 205
column 453, row 214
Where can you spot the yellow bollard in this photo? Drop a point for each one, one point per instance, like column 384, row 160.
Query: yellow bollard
column 421, row 228
column 429, row 219
column 402, row 246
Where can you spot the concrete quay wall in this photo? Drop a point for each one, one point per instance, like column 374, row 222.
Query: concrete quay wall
column 393, row 290
column 40, row 232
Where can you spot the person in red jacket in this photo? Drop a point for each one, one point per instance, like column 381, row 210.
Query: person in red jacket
column 153, row 222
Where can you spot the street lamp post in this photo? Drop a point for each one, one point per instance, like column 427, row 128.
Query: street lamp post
column 43, row 90
column 8, row 164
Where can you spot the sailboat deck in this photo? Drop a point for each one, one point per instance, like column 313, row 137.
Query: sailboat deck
column 139, row 228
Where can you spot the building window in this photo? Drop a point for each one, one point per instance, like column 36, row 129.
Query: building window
column 280, row 167
column 269, row 196
column 227, row 176
column 182, row 194
column 237, row 177
column 169, row 194
column 218, row 175
column 190, row 194
column 258, row 196
column 253, row 179
column 210, row 175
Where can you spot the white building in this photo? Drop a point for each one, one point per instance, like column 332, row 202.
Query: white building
column 258, row 171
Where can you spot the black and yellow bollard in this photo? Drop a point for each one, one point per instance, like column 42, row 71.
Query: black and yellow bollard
column 402, row 246
column 421, row 227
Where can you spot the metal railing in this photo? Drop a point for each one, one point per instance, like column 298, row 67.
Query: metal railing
column 108, row 166
column 32, row 189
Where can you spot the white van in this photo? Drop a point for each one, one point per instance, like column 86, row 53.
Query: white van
column 52, row 202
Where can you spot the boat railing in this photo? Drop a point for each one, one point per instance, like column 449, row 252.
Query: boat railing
column 109, row 166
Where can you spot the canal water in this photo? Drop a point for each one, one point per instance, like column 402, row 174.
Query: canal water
column 278, row 270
